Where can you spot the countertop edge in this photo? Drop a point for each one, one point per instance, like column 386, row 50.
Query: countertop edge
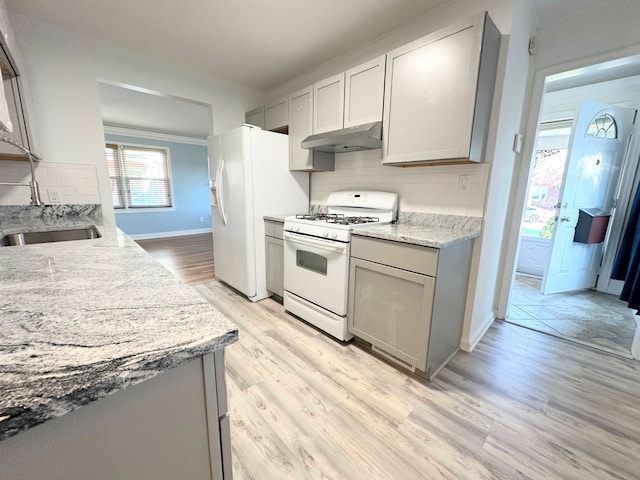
column 424, row 241
column 109, row 386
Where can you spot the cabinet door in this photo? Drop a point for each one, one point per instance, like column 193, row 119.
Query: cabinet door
column 277, row 114
column 391, row 308
column 328, row 104
column 364, row 93
column 275, row 265
column 300, row 126
column 13, row 91
column 255, row 117
column 430, row 92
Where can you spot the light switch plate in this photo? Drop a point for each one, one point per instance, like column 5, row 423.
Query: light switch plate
column 517, row 143
column 464, row 183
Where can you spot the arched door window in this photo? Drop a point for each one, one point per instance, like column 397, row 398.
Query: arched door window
column 603, row 126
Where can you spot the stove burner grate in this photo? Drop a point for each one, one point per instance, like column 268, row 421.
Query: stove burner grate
column 336, row 218
column 341, row 220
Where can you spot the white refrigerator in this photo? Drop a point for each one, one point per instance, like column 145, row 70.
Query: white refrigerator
column 249, row 178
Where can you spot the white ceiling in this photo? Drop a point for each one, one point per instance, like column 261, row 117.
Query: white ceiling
column 259, row 43
column 129, row 108
column 549, row 11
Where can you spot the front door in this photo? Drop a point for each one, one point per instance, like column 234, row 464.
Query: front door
column 597, row 147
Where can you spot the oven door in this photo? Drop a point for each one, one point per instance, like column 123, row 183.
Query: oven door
column 316, row 269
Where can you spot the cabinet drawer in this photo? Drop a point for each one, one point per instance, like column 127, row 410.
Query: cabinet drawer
column 273, row 229
column 413, row 258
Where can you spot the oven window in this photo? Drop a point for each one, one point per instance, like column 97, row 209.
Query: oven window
column 311, row 261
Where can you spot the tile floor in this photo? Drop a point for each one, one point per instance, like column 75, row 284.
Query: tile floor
column 588, row 317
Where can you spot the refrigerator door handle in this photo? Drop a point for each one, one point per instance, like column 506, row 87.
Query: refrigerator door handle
column 220, row 190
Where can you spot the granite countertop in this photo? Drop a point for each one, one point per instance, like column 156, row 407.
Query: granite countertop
column 426, row 236
column 427, row 230
column 83, row 319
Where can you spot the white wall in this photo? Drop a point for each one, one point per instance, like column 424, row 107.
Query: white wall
column 430, row 189
column 511, row 91
column 434, row 189
column 62, row 69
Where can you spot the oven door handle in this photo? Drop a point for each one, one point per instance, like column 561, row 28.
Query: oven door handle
column 308, row 241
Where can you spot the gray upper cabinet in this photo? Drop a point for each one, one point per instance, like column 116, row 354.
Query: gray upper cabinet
column 255, row 117
column 277, row 114
column 364, row 93
column 328, row 104
column 438, row 94
column 300, row 127
column 14, row 92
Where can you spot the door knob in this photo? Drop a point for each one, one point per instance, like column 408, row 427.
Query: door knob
column 565, row 219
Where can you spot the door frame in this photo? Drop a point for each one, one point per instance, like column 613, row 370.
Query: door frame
column 524, row 165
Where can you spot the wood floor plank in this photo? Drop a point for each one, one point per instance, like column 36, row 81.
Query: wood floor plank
column 523, row 405
column 189, row 257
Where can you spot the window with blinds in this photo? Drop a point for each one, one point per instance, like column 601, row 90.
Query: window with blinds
column 139, row 176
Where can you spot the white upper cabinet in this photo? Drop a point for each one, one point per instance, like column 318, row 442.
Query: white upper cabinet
column 328, row 104
column 364, row 93
column 277, row 114
column 438, row 94
column 255, row 117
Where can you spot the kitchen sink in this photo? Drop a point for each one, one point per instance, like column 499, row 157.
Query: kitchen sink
column 27, row 238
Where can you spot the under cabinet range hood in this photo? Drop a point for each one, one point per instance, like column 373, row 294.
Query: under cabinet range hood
column 362, row 137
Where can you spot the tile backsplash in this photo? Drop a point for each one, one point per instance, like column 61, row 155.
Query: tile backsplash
column 73, row 183
column 431, row 189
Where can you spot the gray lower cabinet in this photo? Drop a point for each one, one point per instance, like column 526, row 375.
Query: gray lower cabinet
column 175, row 425
column 408, row 301
column 274, row 256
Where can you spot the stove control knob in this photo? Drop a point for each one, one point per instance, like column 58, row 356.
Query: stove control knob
column 325, row 234
column 335, row 235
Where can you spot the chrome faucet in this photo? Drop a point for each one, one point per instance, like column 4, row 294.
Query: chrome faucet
column 33, row 185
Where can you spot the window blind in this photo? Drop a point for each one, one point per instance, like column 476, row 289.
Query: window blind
column 139, row 176
column 115, row 176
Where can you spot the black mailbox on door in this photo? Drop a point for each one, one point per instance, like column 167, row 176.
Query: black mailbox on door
column 592, row 226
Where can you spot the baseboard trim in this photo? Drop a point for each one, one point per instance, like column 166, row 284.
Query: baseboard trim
column 173, row 233
column 468, row 344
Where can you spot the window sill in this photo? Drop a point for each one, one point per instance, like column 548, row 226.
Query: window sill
column 119, row 211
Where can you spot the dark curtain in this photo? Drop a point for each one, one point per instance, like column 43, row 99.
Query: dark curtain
column 627, row 263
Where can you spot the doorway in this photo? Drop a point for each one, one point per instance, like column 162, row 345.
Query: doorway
column 560, row 283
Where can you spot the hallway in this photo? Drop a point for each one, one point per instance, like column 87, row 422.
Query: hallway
column 588, row 317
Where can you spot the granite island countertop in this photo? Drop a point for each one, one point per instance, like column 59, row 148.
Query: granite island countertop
column 81, row 320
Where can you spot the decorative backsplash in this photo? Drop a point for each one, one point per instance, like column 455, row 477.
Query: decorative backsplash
column 60, row 183
column 429, row 189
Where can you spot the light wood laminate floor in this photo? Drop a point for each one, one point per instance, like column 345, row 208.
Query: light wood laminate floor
column 522, row 405
column 188, row 257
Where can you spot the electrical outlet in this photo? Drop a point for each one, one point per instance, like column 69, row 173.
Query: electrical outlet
column 464, row 183
column 54, row 195
column 201, row 219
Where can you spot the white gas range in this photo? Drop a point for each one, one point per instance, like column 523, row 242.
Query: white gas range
column 316, row 256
